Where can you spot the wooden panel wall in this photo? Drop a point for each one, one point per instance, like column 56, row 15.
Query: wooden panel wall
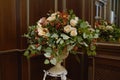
column 39, row 8
column 8, row 31
column 12, row 23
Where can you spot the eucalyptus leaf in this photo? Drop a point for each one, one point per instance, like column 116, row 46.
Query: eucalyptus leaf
column 58, row 40
column 83, row 25
column 61, row 41
column 96, row 36
column 48, row 50
column 70, row 47
column 39, row 48
column 79, row 39
column 47, row 55
column 26, row 53
column 54, row 36
column 85, row 35
column 64, row 36
column 33, row 51
column 46, row 61
column 85, row 44
column 32, row 46
column 53, row 61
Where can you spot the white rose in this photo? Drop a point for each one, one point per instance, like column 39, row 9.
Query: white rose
column 91, row 29
column 73, row 32
column 51, row 18
column 54, row 14
column 67, row 28
column 42, row 31
column 39, row 24
column 88, row 24
column 73, row 22
column 76, row 18
column 109, row 28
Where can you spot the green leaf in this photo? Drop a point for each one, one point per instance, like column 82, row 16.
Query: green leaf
column 48, row 50
column 85, row 44
column 32, row 46
column 79, row 39
column 61, row 41
column 47, row 55
column 83, row 25
column 53, row 61
column 85, row 35
column 26, row 53
column 46, row 61
column 70, row 47
column 92, row 48
column 54, row 36
column 96, row 36
column 58, row 40
column 39, row 48
column 33, row 51
column 64, row 36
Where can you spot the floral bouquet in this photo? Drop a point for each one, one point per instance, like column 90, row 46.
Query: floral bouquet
column 60, row 32
column 108, row 32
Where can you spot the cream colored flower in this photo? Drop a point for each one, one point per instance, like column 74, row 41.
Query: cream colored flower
column 76, row 18
column 42, row 31
column 109, row 27
column 51, row 18
column 73, row 32
column 67, row 28
column 54, row 14
column 88, row 24
column 73, row 22
column 91, row 29
column 39, row 24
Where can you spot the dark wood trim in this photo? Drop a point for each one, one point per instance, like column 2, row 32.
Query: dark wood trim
column 18, row 23
column 11, row 51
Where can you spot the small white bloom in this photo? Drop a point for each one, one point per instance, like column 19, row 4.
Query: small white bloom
column 67, row 28
column 76, row 18
column 73, row 32
column 39, row 24
column 54, row 14
column 42, row 31
column 91, row 29
column 88, row 24
column 73, row 22
column 109, row 28
column 51, row 18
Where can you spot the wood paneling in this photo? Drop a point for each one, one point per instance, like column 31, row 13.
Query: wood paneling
column 107, row 66
column 76, row 6
column 23, row 24
column 8, row 37
column 12, row 24
column 39, row 8
column 8, row 67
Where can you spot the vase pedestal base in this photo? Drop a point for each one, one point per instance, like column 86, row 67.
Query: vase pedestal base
column 56, row 71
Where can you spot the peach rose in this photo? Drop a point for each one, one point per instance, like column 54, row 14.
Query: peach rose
column 73, row 22
column 42, row 31
column 73, row 32
column 67, row 28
